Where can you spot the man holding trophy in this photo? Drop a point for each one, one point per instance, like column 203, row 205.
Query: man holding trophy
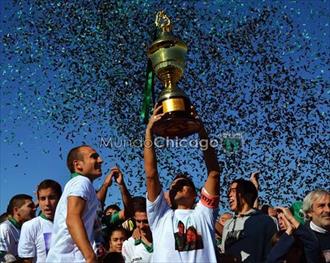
column 182, row 231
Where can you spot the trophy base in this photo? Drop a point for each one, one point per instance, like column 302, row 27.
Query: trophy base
column 176, row 124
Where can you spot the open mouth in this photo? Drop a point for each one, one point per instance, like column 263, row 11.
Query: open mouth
column 48, row 212
column 98, row 167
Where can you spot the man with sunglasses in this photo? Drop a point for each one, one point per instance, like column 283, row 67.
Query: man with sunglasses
column 76, row 212
column 138, row 248
column 170, row 224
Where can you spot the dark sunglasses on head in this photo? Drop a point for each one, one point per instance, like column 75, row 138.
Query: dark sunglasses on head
column 181, row 183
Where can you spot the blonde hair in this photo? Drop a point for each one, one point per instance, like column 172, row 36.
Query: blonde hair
column 310, row 199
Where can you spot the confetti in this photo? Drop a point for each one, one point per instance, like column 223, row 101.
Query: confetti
column 258, row 68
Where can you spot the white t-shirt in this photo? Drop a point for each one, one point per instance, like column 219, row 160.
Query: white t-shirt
column 183, row 235
column 63, row 248
column 34, row 241
column 135, row 253
column 9, row 236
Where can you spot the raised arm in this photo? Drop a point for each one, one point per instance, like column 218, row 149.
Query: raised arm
column 213, row 170
column 125, row 195
column 102, row 192
column 150, row 160
column 255, row 180
column 75, row 209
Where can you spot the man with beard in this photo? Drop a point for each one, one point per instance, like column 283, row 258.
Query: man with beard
column 247, row 236
column 316, row 207
column 76, row 212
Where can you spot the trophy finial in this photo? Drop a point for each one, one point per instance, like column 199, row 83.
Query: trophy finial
column 163, row 21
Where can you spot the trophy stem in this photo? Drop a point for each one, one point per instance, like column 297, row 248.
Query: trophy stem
column 169, row 85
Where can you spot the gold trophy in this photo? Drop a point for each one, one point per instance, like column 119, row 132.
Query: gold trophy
column 167, row 54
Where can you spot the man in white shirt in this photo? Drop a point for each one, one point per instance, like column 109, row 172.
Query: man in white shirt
column 20, row 209
column 75, row 216
column 34, row 241
column 138, row 248
column 183, row 232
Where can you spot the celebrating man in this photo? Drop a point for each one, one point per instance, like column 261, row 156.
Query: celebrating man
column 165, row 221
column 35, row 236
column 75, row 214
column 20, row 209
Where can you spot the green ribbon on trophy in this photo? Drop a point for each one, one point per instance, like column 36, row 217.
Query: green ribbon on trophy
column 148, row 93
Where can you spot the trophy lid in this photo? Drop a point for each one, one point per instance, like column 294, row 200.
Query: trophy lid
column 164, row 37
column 166, row 40
column 167, row 53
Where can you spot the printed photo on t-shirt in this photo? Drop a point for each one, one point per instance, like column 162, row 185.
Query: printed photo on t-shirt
column 187, row 239
column 47, row 238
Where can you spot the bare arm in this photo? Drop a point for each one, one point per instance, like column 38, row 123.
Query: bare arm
column 255, row 180
column 288, row 215
column 150, row 160
column 75, row 209
column 102, row 192
column 213, row 170
column 125, row 195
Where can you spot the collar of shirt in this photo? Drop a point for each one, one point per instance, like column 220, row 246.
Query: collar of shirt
column 74, row 175
column 44, row 217
column 148, row 248
column 317, row 228
column 248, row 213
column 14, row 222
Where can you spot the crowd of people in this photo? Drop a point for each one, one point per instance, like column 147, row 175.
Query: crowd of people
column 178, row 225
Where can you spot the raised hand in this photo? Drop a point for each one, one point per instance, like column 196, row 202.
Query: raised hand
column 118, row 175
column 156, row 115
column 255, row 179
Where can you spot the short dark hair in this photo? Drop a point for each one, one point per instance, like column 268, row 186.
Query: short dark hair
column 74, row 154
column 180, row 223
column 117, row 228
column 48, row 183
column 185, row 176
column 247, row 190
column 113, row 206
column 113, row 229
column 264, row 209
column 139, row 204
column 17, row 201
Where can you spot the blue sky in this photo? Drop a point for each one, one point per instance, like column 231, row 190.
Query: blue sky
column 63, row 85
